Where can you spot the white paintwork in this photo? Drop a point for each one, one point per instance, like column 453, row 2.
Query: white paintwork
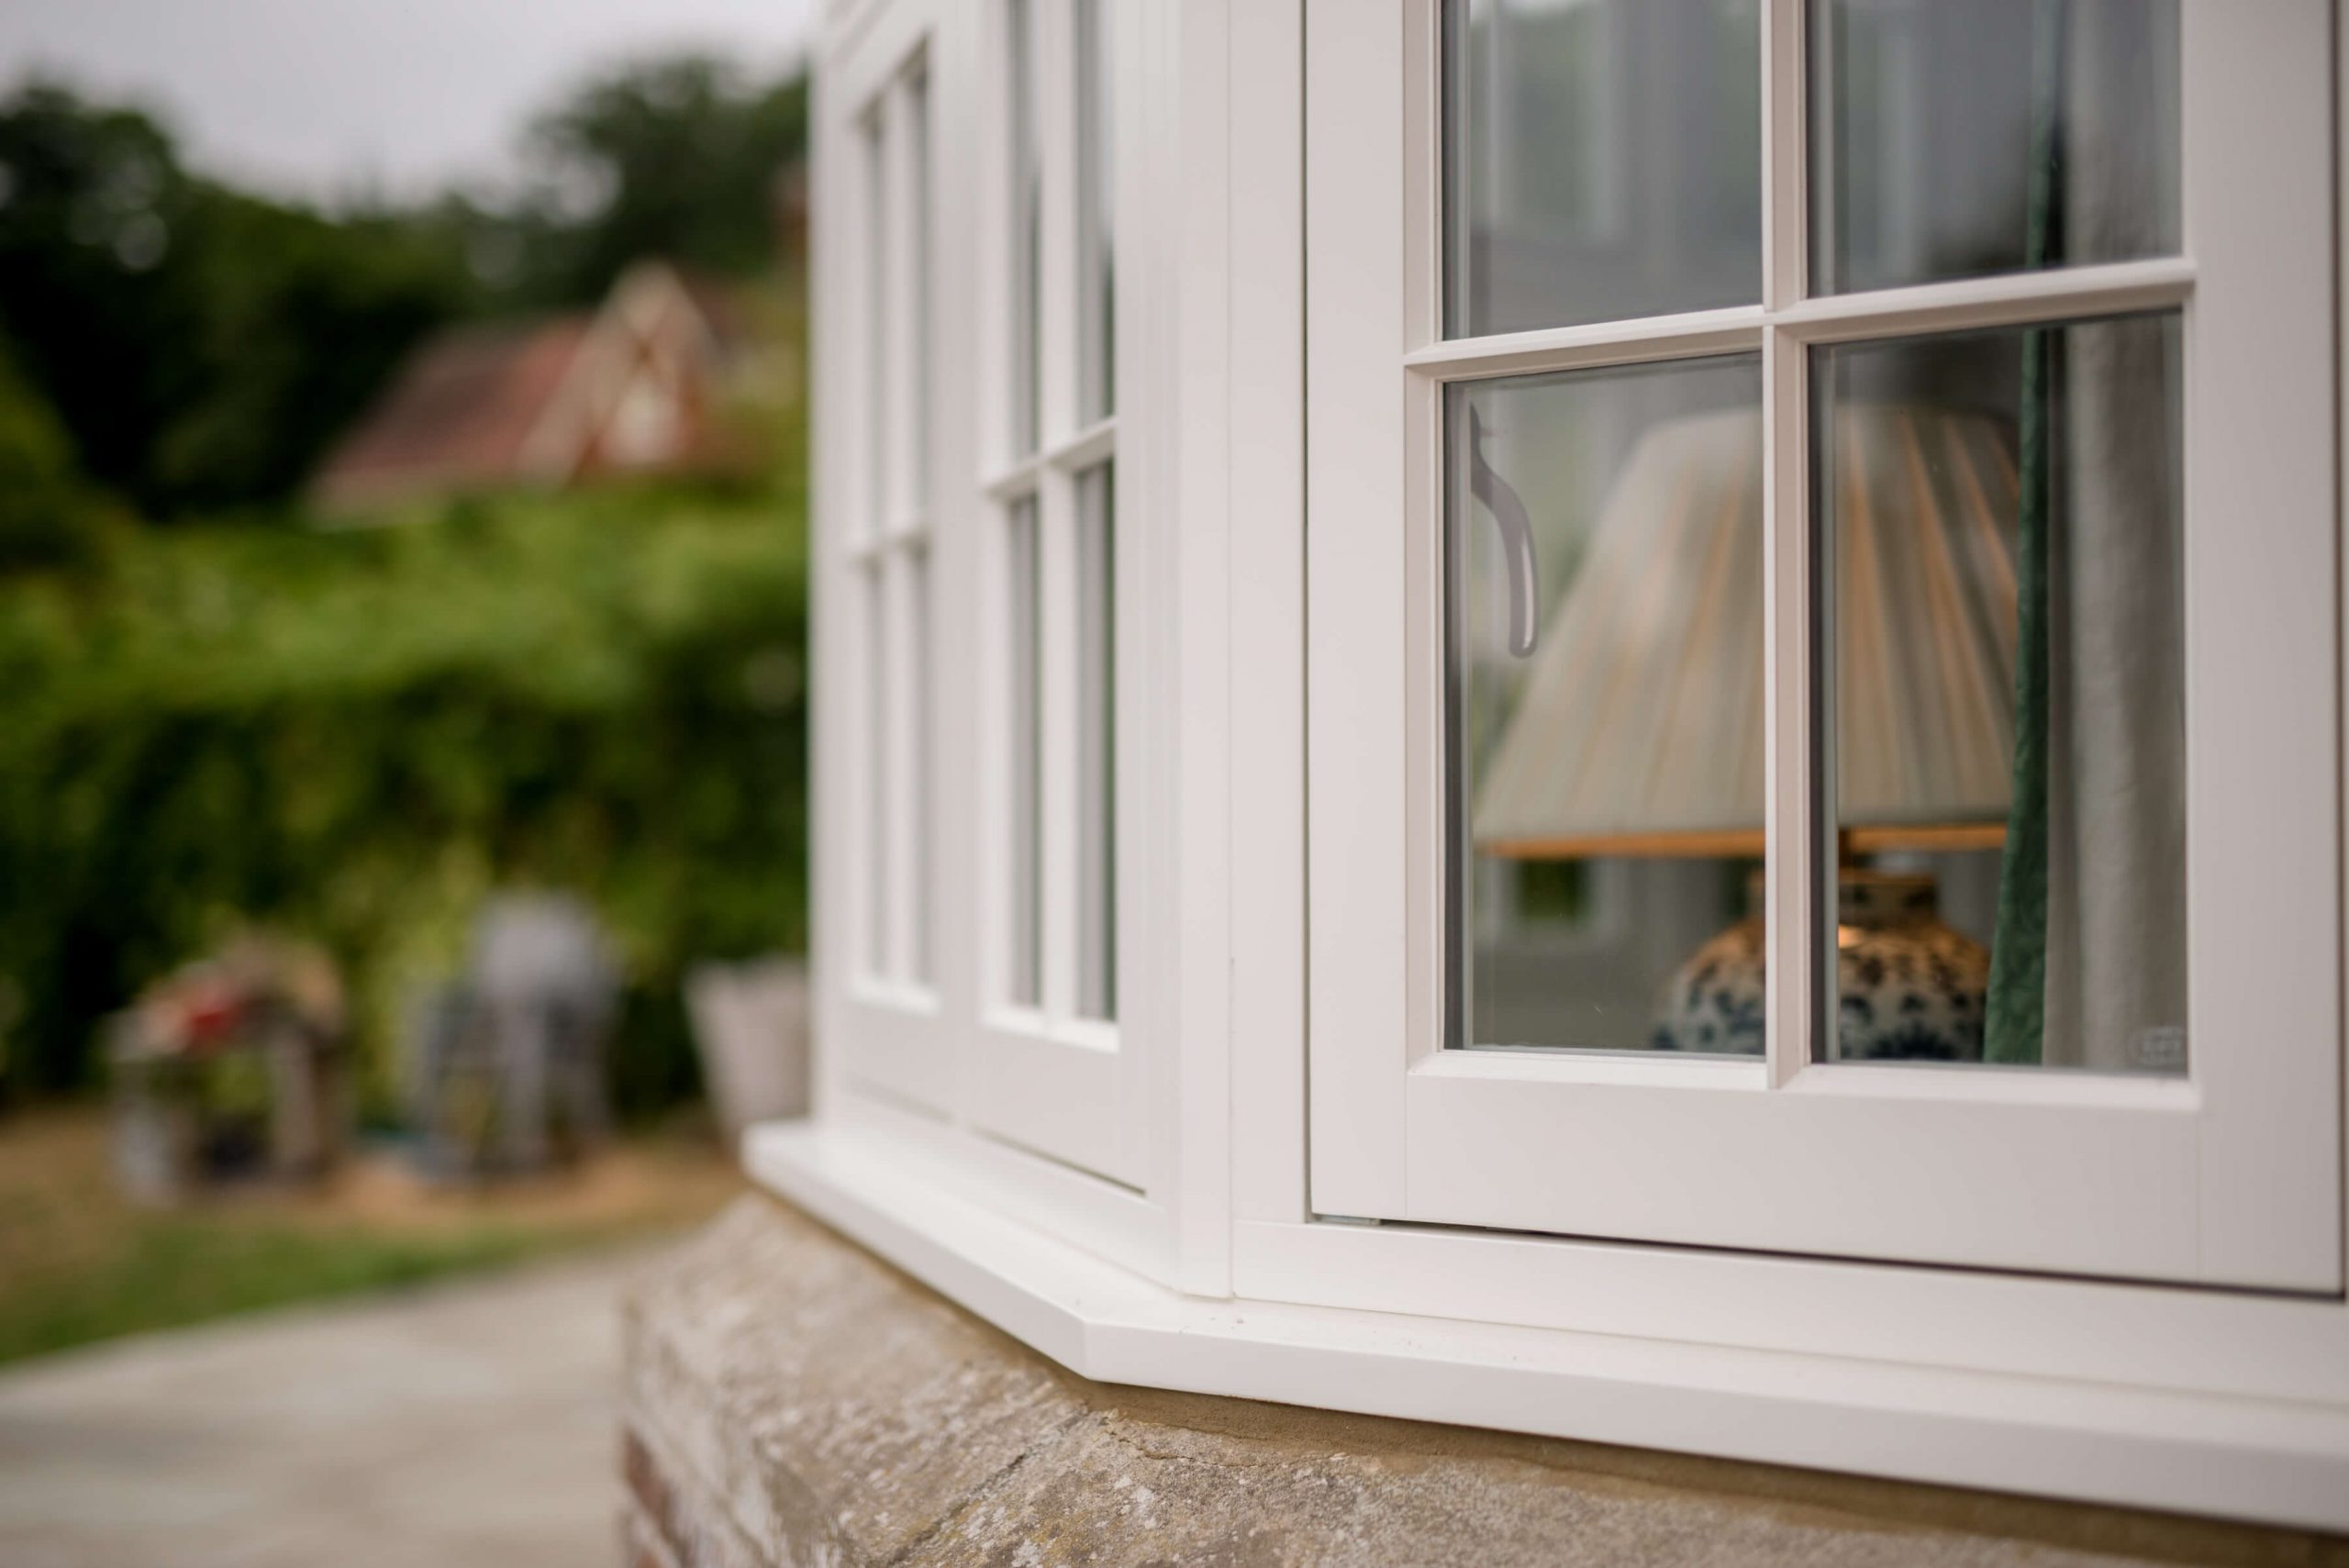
column 2274, row 1459
column 2234, row 1182
column 1205, row 1268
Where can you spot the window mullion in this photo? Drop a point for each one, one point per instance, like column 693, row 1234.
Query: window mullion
column 1784, row 186
column 1794, row 862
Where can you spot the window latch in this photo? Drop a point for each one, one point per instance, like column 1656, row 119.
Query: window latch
column 1517, row 538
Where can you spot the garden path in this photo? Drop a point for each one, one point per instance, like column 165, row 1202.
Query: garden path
column 458, row 1425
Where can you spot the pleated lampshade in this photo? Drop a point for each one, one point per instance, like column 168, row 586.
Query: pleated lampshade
column 1639, row 729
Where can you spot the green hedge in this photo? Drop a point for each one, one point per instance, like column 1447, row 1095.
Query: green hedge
column 356, row 736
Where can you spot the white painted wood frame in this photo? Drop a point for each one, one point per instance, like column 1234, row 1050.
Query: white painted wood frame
column 1218, row 1276
column 2229, row 1175
column 923, row 365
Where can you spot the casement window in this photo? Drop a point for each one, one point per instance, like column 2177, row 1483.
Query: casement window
column 1614, row 718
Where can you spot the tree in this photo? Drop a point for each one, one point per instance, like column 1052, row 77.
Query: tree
column 677, row 157
column 201, row 345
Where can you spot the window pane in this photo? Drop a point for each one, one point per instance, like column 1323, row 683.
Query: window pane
column 1952, row 140
column 917, row 132
column 2009, row 608
column 877, row 325
column 1025, row 663
column 877, row 770
column 918, row 764
column 1097, row 696
column 1096, row 252
column 1027, row 176
column 1603, row 159
column 1604, row 712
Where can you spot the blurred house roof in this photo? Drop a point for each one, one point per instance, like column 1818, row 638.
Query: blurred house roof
column 630, row 387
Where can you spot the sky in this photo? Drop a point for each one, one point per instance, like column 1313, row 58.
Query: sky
column 328, row 99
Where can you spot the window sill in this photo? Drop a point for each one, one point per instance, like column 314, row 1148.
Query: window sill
column 2269, row 1460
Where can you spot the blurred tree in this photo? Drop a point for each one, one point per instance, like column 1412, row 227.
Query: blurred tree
column 676, row 157
column 92, row 201
column 200, row 345
column 47, row 515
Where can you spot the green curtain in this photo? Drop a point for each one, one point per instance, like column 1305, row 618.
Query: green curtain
column 2015, row 1015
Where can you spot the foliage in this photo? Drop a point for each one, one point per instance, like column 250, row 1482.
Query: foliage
column 47, row 515
column 204, row 345
column 201, row 345
column 676, row 157
column 357, row 736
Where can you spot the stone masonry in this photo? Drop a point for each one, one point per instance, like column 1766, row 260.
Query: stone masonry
column 790, row 1399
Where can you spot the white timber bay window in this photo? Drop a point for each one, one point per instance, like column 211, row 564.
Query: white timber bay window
column 1612, row 717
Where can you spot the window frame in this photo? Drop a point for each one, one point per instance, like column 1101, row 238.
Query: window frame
column 1217, row 1277
column 948, row 1065
column 2227, row 1175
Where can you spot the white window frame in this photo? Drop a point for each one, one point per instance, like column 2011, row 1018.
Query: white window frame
column 946, row 1065
column 1217, row 1276
column 2224, row 1175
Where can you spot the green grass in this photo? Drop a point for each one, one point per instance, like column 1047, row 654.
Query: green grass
column 78, row 1265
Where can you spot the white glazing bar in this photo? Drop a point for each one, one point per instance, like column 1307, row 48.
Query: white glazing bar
column 2008, row 299
column 1737, row 329
column 1785, row 182
column 1792, row 856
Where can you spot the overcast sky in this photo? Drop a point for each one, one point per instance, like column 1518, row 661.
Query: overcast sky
column 328, row 98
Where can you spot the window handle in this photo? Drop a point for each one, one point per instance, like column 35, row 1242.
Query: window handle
column 1517, row 538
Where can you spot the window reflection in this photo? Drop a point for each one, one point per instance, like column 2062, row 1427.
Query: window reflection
column 1956, row 140
column 1603, row 159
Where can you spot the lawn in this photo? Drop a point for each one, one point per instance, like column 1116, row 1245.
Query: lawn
column 77, row 1263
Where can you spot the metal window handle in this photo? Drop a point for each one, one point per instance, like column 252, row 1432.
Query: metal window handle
column 1516, row 540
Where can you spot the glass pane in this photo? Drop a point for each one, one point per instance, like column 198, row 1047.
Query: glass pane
column 2009, row 731
column 1096, row 741
column 918, row 768
column 1603, row 159
column 1604, row 712
column 877, row 325
column 875, row 880
column 1026, row 177
column 917, row 131
column 1953, row 141
column 1026, row 665
column 1096, row 278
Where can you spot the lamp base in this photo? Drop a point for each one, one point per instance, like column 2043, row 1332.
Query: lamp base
column 1910, row 987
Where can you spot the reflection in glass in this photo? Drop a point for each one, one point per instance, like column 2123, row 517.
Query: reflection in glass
column 1027, row 207
column 2001, row 512
column 1096, row 741
column 1955, row 140
column 1097, row 281
column 1604, row 713
column 1024, row 625
column 1602, row 160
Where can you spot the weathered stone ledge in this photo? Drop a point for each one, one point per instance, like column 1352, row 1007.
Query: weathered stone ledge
column 793, row 1400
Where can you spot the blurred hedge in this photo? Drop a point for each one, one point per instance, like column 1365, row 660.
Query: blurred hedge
column 357, row 736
